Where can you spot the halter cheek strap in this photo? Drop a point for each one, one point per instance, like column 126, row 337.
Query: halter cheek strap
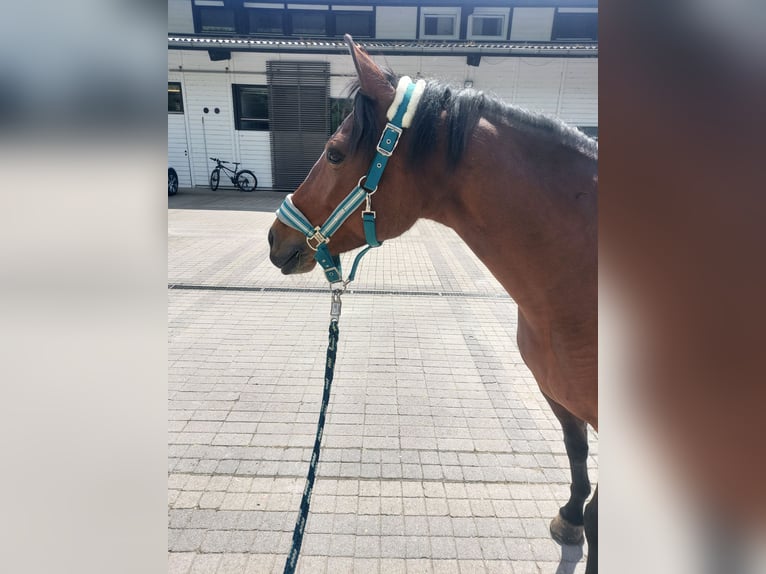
column 399, row 116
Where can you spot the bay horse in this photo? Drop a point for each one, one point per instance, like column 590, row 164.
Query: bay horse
column 521, row 190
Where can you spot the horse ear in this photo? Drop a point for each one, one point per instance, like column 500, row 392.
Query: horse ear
column 372, row 81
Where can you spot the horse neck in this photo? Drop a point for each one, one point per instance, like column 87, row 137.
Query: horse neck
column 527, row 208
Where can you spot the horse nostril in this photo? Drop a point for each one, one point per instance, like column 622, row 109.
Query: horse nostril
column 271, row 238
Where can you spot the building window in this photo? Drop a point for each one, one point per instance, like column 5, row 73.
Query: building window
column 487, row 25
column 575, row 24
column 358, row 24
column 272, row 19
column 251, row 107
column 266, row 21
column 175, row 99
column 309, row 23
column 442, row 24
column 216, row 20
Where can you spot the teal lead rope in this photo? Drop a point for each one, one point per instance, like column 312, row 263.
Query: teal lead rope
column 317, row 239
column 329, row 371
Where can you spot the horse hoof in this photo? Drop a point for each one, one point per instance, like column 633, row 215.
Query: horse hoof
column 564, row 532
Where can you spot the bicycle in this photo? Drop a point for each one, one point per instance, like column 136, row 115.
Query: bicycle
column 244, row 179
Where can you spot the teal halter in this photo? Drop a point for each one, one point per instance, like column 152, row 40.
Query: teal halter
column 318, row 237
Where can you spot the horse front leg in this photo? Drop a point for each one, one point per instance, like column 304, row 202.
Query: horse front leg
column 567, row 527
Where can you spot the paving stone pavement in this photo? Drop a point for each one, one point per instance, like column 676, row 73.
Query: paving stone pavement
column 439, row 453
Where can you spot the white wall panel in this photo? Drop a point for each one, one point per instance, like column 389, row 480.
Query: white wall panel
column 565, row 87
column 180, row 18
column 251, row 62
column 450, row 69
column 579, row 96
column 216, row 136
column 396, row 23
column 532, row 24
column 401, row 65
column 177, row 148
column 538, row 84
column 255, row 155
column 198, row 60
column 178, row 142
column 175, row 59
column 497, row 76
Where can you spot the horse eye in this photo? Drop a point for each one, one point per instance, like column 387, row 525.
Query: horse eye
column 334, row 156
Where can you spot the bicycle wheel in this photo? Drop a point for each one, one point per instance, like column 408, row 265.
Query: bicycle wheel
column 215, row 177
column 246, row 180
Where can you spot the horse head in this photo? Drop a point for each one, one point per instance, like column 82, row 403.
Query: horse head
column 341, row 167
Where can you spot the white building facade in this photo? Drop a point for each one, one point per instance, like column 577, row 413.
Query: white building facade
column 263, row 83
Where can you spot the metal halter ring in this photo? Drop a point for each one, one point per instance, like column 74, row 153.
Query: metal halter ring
column 359, row 184
column 319, row 239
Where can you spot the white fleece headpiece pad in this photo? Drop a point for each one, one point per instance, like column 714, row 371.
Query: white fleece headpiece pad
column 401, row 88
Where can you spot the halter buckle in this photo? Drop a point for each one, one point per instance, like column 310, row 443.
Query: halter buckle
column 388, row 141
column 320, row 239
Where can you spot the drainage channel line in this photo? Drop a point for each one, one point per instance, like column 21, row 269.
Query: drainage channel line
column 386, row 479
column 453, row 294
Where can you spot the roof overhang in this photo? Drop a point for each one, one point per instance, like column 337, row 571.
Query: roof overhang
column 389, row 47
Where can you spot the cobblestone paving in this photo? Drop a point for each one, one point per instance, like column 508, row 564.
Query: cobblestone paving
column 439, row 453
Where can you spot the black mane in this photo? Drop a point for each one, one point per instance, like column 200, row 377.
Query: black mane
column 464, row 107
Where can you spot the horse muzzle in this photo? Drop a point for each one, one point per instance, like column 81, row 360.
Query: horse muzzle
column 289, row 251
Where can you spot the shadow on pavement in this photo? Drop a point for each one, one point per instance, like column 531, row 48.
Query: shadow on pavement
column 263, row 200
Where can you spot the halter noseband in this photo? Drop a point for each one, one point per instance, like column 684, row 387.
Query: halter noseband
column 399, row 116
